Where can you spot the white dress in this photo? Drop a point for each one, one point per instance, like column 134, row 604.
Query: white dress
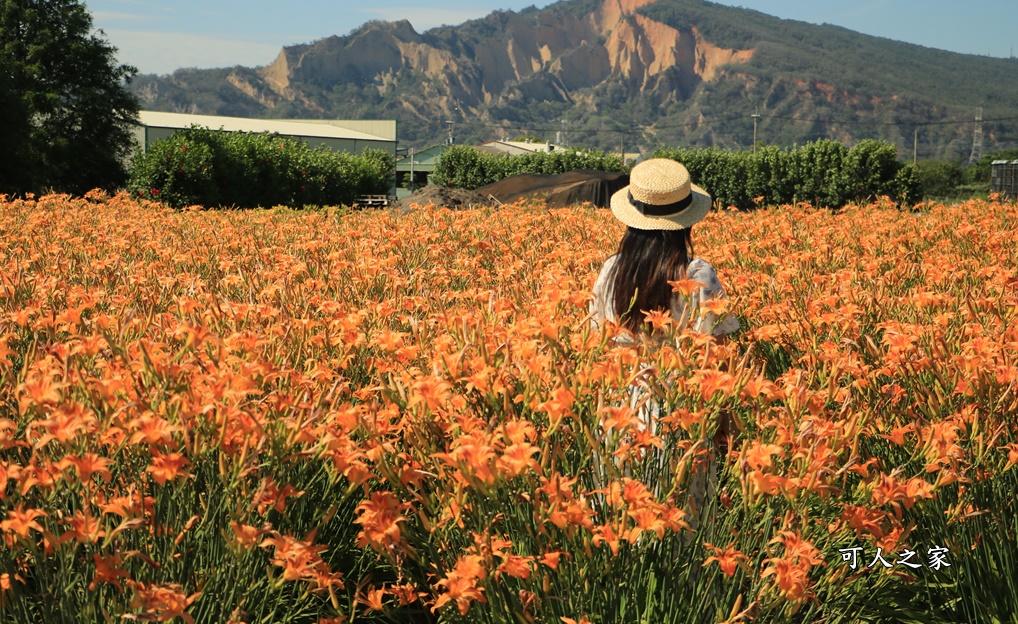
column 699, row 270
column 703, row 477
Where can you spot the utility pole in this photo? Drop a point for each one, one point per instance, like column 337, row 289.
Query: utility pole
column 397, row 152
column 915, row 144
column 411, row 170
column 454, row 113
column 622, row 148
column 560, row 135
column 755, row 117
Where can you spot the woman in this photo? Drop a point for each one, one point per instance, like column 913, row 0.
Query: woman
column 660, row 207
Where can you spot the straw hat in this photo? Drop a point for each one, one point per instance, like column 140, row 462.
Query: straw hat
column 660, row 196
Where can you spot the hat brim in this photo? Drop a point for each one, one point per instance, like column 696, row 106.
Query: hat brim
column 627, row 213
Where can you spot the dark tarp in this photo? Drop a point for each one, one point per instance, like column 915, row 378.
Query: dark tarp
column 559, row 191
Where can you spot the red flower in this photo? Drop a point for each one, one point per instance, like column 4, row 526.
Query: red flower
column 153, row 191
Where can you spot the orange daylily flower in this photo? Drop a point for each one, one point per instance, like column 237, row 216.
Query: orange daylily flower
column 380, row 517
column 90, row 464
column 419, row 363
column 168, row 466
column 515, row 566
column 406, row 594
column 758, row 455
column 461, row 584
column 8, row 439
column 108, row 570
column 728, row 559
column 64, row 424
column 658, row 318
column 245, row 535
column 373, row 599
column 152, row 429
column 685, row 287
column 162, row 603
column 39, row 391
column 552, row 559
column 646, row 519
column 301, row 560
column 712, row 381
column 85, row 529
column 517, row 459
column 20, row 521
column 716, row 306
column 270, row 495
column 430, row 391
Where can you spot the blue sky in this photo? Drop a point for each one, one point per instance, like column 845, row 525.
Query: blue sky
column 158, row 36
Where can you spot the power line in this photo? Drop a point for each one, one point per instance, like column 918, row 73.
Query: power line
column 716, row 120
column 890, row 123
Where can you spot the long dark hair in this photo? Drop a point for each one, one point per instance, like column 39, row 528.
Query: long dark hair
column 646, row 260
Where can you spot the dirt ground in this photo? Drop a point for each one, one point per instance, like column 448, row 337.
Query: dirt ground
column 451, row 198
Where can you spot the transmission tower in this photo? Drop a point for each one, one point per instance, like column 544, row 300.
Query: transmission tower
column 977, row 137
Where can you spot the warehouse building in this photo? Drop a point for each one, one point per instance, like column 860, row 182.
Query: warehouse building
column 1004, row 178
column 341, row 135
column 414, row 170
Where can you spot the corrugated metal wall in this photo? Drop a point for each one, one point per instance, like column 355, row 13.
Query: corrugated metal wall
column 149, row 134
column 1004, row 178
column 385, row 128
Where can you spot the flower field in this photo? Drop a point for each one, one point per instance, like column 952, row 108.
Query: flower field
column 323, row 417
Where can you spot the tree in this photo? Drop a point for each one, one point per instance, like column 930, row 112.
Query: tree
column 65, row 110
column 14, row 124
column 980, row 172
column 940, row 179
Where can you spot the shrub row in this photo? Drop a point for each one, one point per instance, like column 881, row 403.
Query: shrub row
column 465, row 167
column 946, row 180
column 823, row 173
column 245, row 170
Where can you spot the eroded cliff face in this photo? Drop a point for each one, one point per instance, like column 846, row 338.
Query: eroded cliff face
column 606, row 74
column 549, row 58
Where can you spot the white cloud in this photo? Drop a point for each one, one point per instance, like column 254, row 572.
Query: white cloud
column 114, row 15
column 163, row 52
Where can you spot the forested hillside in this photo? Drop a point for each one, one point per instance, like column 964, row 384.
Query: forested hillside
column 623, row 74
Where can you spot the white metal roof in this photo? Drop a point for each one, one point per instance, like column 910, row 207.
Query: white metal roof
column 305, row 127
column 526, row 146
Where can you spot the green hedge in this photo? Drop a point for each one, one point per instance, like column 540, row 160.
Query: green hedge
column 214, row 168
column 824, row 173
column 462, row 166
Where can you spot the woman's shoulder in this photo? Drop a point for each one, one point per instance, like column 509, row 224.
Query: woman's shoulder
column 601, row 286
column 701, row 270
column 699, row 264
column 609, row 262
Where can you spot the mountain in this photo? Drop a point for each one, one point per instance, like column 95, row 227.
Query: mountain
column 622, row 74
